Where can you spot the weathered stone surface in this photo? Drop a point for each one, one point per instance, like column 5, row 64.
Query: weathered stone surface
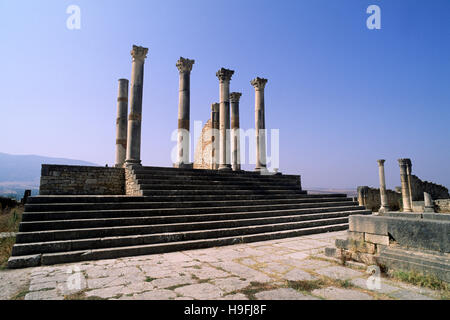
column 155, row 295
column 333, row 293
column 381, row 288
column 297, row 275
column 338, row 272
column 24, row 261
column 377, row 239
column 202, row 291
column 231, row 284
column 77, row 180
column 282, row 294
column 409, row 295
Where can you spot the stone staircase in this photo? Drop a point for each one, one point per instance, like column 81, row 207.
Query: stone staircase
column 178, row 209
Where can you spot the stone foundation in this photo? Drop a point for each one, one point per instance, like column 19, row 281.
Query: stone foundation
column 132, row 188
column 406, row 241
column 81, row 180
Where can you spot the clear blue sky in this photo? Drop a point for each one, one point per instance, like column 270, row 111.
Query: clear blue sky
column 342, row 96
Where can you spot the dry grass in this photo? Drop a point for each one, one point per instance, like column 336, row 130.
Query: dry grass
column 10, row 219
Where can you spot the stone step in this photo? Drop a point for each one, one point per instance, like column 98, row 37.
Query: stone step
column 218, row 187
column 115, row 198
column 216, row 182
column 89, row 233
column 58, row 207
column 105, row 214
column 203, row 172
column 73, row 221
column 95, row 238
column 200, row 178
column 218, row 192
column 145, row 249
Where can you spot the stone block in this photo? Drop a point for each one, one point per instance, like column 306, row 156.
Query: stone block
column 377, row 239
column 353, row 235
column 370, row 224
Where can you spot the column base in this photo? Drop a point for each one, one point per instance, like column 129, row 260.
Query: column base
column 183, row 165
column 428, row 209
column 384, row 210
column 261, row 169
column 225, row 167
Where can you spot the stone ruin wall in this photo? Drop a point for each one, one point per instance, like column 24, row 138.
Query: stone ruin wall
column 370, row 198
column 203, row 152
column 81, row 180
column 436, row 191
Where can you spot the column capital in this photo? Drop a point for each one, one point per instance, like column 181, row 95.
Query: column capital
column 381, row 162
column 139, row 53
column 403, row 162
column 224, row 74
column 185, row 65
column 258, row 83
column 235, row 96
column 215, row 107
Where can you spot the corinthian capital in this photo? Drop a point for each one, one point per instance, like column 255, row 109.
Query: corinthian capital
column 381, row 162
column 185, row 65
column 235, row 96
column 224, row 74
column 258, row 83
column 139, row 53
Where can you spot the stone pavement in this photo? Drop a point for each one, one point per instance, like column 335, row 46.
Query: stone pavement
column 288, row 269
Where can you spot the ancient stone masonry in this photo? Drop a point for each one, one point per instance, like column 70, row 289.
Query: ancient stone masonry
column 384, row 202
column 260, row 125
column 135, row 117
column 407, row 203
column 215, row 118
column 436, row 191
column 81, row 180
column 235, row 134
column 121, row 123
column 132, row 187
column 224, row 76
column 370, row 198
column 184, row 67
column 204, row 152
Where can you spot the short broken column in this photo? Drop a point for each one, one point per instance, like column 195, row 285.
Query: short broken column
column 235, row 134
column 121, row 123
column 260, row 124
column 384, row 207
column 184, row 67
column 405, row 188
column 135, row 117
column 215, row 136
column 224, row 76
column 428, row 203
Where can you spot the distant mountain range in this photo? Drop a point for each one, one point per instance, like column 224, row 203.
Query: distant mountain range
column 20, row 172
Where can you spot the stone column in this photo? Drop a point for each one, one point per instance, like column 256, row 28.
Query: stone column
column 405, row 189
column 408, row 173
column 428, row 203
column 363, row 192
column 235, row 135
column 224, row 76
column 135, row 117
column 260, row 124
column 215, row 148
column 121, row 123
column 384, row 203
column 184, row 67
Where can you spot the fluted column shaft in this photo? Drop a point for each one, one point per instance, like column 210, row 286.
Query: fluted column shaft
column 383, row 196
column 224, row 76
column 408, row 173
column 405, row 189
column 135, row 117
column 235, row 135
column 260, row 124
column 215, row 115
column 184, row 102
column 121, row 122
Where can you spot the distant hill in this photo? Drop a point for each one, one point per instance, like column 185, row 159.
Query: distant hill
column 20, row 172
